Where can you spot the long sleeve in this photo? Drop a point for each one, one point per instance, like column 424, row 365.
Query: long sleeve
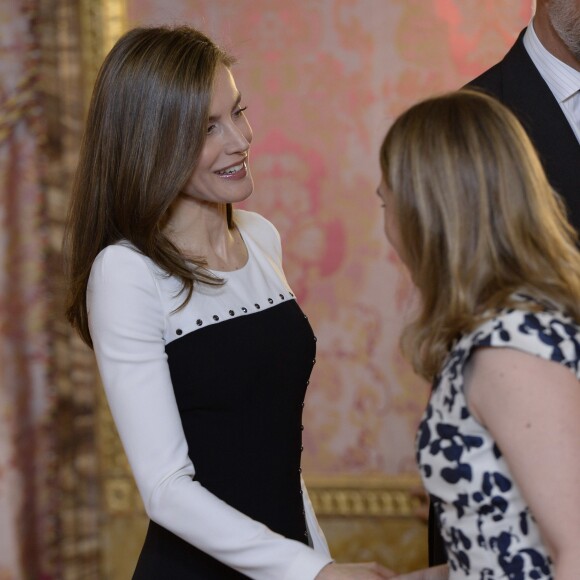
column 318, row 541
column 127, row 321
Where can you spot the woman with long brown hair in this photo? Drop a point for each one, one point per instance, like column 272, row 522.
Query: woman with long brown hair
column 204, row 353
column 485, row 239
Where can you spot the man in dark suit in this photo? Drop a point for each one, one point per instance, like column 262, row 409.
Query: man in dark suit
column 539, row 80
column 518, row 83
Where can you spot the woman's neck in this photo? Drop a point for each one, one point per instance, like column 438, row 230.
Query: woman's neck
column 200, row 231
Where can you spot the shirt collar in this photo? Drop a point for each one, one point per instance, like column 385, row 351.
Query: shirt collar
column 563, row 80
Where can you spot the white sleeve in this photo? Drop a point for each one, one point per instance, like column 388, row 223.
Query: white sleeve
column 126, row 322
column 317, row 539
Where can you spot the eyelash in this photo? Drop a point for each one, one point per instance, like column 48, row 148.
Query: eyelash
column 237, row 113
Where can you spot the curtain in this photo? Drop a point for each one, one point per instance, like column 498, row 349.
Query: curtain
column 26, row 453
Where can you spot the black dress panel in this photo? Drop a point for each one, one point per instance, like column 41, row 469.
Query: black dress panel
column 241, row 409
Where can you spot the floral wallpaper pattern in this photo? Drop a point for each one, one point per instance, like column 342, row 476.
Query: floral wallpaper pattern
column 323, row 79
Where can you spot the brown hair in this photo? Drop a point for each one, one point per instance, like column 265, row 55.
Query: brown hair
column 145, row 130
column 477, row 220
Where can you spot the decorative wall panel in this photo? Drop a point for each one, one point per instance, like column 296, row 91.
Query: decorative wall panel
column 323, row 80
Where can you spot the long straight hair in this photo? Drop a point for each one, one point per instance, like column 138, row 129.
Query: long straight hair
column 477, row 220
column 145, row 130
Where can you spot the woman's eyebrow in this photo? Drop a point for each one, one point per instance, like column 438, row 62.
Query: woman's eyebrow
column 213, row 118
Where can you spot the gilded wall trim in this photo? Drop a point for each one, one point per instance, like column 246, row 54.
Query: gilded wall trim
column 390, row 496
column 365, row 496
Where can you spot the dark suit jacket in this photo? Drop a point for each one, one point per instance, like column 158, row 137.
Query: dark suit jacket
column 516, row 82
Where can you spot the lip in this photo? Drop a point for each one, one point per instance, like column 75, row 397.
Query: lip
column 240, row 174
column 242, row 160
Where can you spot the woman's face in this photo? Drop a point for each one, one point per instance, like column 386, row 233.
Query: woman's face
column 222, row 174
column 390, row 223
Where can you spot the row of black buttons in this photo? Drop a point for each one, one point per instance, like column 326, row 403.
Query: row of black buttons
column 199, row 321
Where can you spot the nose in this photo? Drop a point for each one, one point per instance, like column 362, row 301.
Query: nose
column 239, row 137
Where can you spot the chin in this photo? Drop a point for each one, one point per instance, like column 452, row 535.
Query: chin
column 245, row 192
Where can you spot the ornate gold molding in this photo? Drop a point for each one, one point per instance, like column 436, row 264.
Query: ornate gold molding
column 366, row 496
column 385, row 496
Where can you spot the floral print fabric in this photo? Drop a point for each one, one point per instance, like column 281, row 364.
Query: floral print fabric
column 488, row 529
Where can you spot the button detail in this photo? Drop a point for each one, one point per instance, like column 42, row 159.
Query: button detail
column 257, row 306
column 281, row 296
column 231, row 313
column 216, row 317
column 179, row 332
column 270, row 301
column 199, row 322
column 244, row 310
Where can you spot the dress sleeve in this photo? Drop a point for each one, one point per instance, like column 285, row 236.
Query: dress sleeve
column 317, row 539
column 126, row 322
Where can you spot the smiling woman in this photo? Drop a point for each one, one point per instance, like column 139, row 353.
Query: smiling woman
column 221, row 176
column 167, row 284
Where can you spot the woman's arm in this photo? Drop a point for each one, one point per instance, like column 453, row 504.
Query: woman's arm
column 127, row 327
column 531, row 406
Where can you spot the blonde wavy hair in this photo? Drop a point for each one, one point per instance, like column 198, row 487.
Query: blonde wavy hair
column 477, row 220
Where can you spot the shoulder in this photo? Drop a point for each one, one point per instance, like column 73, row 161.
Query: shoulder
column 260, row 230
column 547, row 334
column 491, row 80
column 120, row 272
column 488, row 82
column 123, row 296
column 252, row 222
column 122, row 260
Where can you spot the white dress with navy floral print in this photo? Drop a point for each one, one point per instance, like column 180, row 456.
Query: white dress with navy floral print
column 488, row 530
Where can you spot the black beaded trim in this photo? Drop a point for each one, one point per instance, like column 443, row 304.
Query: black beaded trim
column 232, row 312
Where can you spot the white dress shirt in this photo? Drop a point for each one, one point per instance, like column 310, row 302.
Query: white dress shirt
column 562, row 79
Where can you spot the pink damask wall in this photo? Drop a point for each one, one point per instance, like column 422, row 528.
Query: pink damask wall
column 323, row 79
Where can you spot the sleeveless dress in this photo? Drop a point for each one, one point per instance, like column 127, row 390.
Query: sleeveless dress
column 208, row 402
column 488, row 530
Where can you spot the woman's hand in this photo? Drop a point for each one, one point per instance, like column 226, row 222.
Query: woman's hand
column 435, row 573
column 366, row 571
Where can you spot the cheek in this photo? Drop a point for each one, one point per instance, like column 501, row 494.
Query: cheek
column 389, row 225
column 392, row 231
column 209, row 155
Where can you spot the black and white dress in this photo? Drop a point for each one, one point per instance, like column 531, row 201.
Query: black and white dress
column 488, row 530
column 208, row 404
